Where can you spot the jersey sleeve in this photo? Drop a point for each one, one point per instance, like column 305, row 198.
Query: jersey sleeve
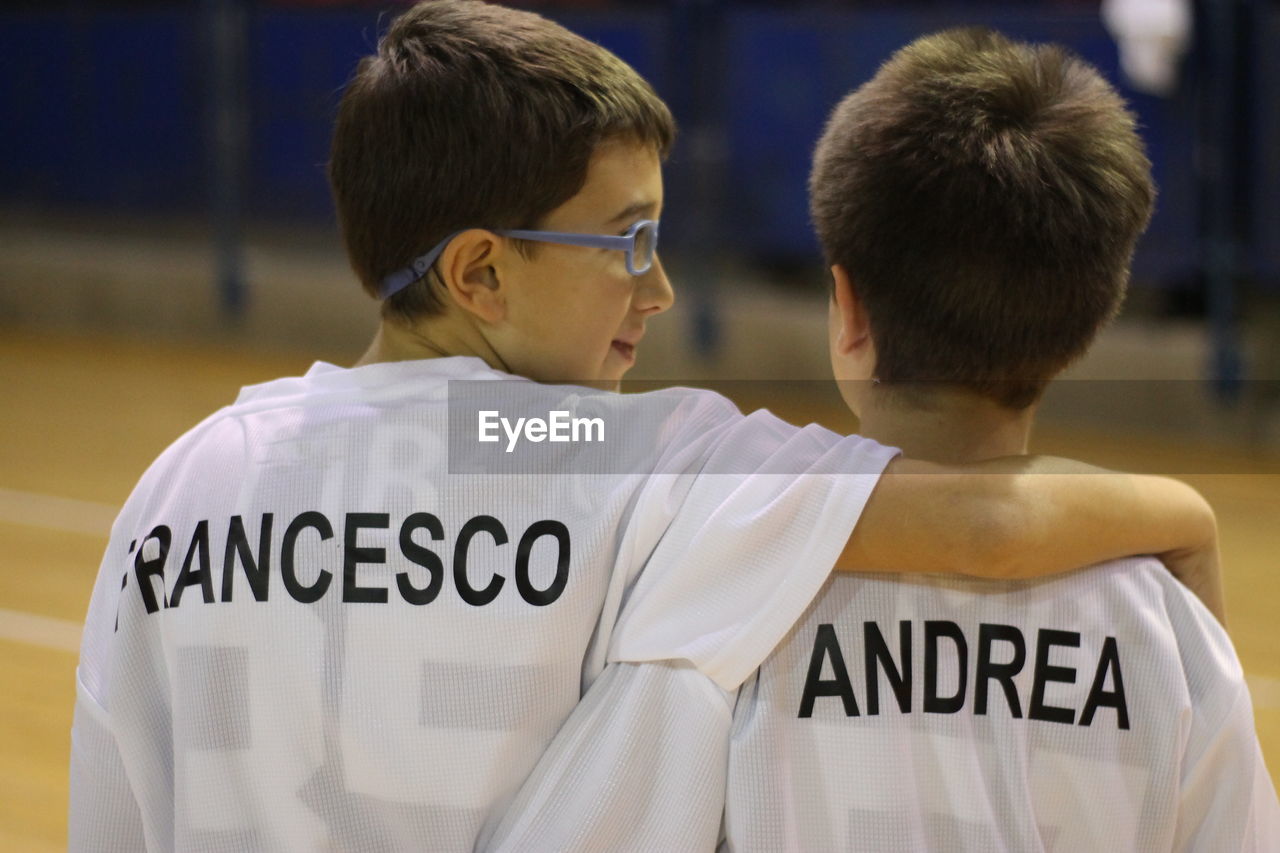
column 1226, row 801
column 639, row 765
column 103, row 813
column 109, row 809
column 765, row 515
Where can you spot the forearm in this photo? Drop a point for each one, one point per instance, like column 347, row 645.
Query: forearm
column 1076, row 515
column 1068, row 514
column 1029, row 516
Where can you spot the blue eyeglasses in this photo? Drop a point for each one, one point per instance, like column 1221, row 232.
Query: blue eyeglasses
column 640, row 243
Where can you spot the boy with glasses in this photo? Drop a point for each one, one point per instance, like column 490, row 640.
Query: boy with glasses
column 335, row 614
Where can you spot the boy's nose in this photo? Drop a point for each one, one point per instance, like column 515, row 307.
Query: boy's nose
column 654, row 293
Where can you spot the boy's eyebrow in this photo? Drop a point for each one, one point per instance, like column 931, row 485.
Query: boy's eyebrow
column 633, row 211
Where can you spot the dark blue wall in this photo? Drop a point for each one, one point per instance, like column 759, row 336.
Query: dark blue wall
column 101, row 109
column 106, row 110
column 1266, row 150
column 791, row 68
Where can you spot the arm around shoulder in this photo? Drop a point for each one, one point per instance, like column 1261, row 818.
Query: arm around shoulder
column 1030, row 516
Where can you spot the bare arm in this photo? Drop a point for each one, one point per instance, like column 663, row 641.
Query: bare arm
column 1030, row 516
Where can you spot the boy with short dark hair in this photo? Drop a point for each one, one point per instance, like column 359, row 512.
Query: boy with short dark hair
column 333, row 615
column 987, row 210
column 1103, row 709
column 437, row 133
column 978, row 202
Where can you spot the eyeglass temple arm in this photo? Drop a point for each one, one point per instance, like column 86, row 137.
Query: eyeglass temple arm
column 405, row 276
column 590, row 241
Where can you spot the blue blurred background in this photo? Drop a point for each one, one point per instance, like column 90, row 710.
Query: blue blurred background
column 221, row 110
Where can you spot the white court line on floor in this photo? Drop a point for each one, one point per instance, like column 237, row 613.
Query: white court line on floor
column 65, row 514
column 60, row 634
column 1265, row 691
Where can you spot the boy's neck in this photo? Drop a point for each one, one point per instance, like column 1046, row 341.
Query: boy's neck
column 946, row 426
column 395, row 342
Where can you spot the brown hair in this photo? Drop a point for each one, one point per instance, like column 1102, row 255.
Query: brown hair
column 985, row 197
column 473, row 115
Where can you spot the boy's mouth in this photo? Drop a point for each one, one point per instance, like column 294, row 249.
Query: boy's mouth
column 626, row 350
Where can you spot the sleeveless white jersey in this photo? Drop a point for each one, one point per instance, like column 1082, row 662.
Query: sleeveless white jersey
column 1101, row 710
column 345, row 614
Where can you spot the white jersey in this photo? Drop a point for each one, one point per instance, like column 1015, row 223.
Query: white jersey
column 1101, row 710
column 638, row 766
column 343, row 613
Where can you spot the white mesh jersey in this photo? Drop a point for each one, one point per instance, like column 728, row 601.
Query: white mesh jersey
column 1101, row 710
column 310, row 631
column 638, row 766
column 640, row 763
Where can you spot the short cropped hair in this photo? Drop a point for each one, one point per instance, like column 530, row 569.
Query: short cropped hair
column 985, row 197
column 473, row 115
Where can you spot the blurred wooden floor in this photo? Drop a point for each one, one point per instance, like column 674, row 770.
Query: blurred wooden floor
column 82, row 417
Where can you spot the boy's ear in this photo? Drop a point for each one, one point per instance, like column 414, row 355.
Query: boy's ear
column 854, row 332
column 468, row 268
